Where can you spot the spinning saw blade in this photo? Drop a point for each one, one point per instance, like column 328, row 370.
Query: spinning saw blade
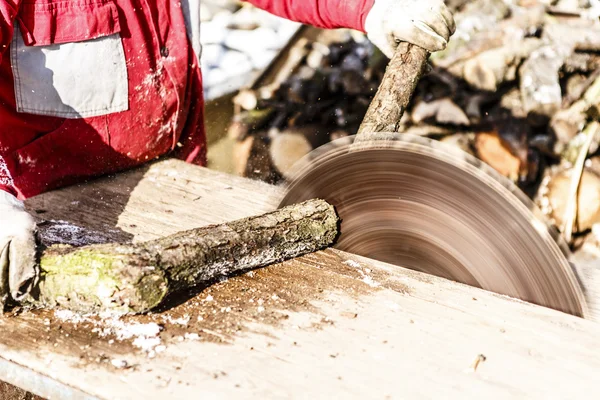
column 421, row 204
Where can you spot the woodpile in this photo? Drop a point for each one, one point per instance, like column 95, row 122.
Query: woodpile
column 518, row 87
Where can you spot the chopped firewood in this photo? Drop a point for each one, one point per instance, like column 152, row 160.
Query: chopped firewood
column 496, row 152
column 245, row 121
column 554, row 198
column 428, row 130
column 594, row 164
column 513, row 102
column 574, row 85
column 539, row 82
column 136, row 278
column 470, row 21
column 338, row 134
column 317, row 55
column 489, row 69
column 571, row 209
column 567, row 123
column 474, row 105
column 516, row 71
column 259, row 164
column 463, row 141
column 246, row 99
column 572, row 150
column 287, row 149
column 443, row 111
column 539, row 75
column 581, row 62
column 584, row 37
column 486, row 28
column 241, row 154
column 577, row 92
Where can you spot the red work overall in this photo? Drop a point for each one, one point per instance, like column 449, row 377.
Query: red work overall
column 89, row 87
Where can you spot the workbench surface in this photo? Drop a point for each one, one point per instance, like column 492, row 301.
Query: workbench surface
column 326, row 325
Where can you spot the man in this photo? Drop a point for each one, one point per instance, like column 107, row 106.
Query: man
column 89, row 87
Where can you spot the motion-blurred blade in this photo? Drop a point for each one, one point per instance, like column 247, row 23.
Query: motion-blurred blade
column 417, row 203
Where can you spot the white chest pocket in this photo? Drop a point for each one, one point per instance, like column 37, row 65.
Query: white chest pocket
column 70, row 63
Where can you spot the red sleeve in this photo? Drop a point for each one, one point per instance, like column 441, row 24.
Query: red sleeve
column 327, row 14
column 8, row 12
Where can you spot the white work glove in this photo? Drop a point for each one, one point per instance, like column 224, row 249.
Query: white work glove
column 425, row 23
column 18, row 265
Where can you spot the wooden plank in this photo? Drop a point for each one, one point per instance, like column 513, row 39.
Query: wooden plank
column 157, row 200
column 327, row 324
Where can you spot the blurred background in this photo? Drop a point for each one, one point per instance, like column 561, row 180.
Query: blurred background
column 517, row 87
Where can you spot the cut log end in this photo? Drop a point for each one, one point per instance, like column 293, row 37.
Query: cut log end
column 287, row 149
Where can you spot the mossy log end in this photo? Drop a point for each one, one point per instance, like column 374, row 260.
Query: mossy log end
column 135, row 278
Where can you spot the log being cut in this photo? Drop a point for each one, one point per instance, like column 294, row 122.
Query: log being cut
column 135, row 278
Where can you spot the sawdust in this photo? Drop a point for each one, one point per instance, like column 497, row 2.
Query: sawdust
column 265, row 296
column 218, row 313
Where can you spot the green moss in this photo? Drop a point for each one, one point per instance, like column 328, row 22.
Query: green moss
column 152, row 290
column 92, row 279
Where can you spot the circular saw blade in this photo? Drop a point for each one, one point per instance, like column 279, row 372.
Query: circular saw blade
column 417, row 203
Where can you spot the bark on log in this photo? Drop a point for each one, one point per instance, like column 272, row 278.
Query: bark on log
column 395, row 91
column 135, row 278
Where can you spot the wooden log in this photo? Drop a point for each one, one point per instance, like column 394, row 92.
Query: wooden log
column 479, row 30
column 135, row 278
column 583, row 36
column 567, row 123
column 539, row 82
column 581, row 62
column 444, row 111
column 497, row 152
column 490, row 68
column 247, row 121
column 474, row 19
column 589, row 134
column 242, row 149
column 287, row 148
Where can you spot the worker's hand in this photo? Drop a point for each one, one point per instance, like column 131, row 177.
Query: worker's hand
column 425, row 23
column 18, row 265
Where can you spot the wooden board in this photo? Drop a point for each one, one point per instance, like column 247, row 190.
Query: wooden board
column 326, row 325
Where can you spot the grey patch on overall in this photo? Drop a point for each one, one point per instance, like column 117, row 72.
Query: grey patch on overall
column 71, row 80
